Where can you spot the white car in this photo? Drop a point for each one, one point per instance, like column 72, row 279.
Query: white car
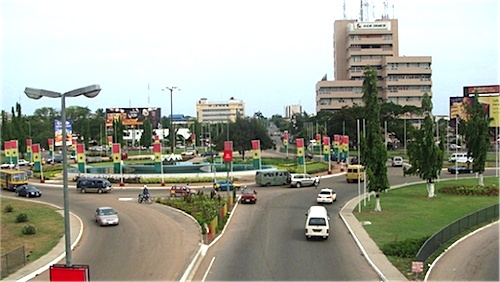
column 7, row 166
column 23, row 162
column 397, row 161
column 326, row 196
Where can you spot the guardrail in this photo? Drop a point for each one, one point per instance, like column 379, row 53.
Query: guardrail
column 454, row 229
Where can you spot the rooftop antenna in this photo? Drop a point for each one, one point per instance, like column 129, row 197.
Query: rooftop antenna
column 345, row 17
column 130, row 103
column 385, row 14
column 393, row 11
column 363, row 10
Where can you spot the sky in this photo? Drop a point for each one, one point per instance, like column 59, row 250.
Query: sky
column 269, row 54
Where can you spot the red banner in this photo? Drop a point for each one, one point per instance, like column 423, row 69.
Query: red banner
column 326, row 141
column 80, row 149
column 35, row 148
column 300, row 142
column 157, row 139
column 228, row 151
column 116, row 148
column 255, row 144
column 157, row 148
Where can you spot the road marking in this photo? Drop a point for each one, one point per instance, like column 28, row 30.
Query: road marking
column 208, row 269
column 125, row 199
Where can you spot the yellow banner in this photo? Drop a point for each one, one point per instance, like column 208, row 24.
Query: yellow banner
column 300, row 152
column 256, row 154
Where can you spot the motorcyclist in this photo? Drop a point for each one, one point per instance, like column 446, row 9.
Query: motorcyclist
column 145, row 192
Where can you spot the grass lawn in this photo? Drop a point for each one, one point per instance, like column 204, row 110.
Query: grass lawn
column 48, row 222
column 407, row 213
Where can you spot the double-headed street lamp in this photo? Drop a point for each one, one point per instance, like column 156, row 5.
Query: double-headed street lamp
column 90, row 92
column 171, row 133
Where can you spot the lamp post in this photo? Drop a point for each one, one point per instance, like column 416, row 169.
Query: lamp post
column 90, row 92
column 172, row 139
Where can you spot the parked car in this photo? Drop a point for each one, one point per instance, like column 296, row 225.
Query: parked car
column 302, row 179
column 106, row 216
column 248, row 196
column 209, row 154
column 455, row 147
column 354, row 160
column 6, row 166
column 457, row 169
column 23, row 162
column 326, row 195
column 223, row 184
column 309, row 156
column 28, row 191
column 57, row 159
column 397, row 161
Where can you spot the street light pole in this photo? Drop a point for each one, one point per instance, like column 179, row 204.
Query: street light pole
column 172, row 139
column 90, row 92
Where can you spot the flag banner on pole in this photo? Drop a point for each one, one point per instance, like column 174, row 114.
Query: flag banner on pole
column 110, row 141
column 285, row 140
column 157, row 156
column 157, row 139
column 117, row 158
column 300, row 151
column 14, row 152
column 6, row 148
column 80, row 156
column 228, row 151
column 326, row 148
column 256, row 153
column 345, row 146
column 29, row 154
column 51, row 147
column 37, row 160
column 336, row 146
column 73, row 147
column 193, row 140
column 318, row 143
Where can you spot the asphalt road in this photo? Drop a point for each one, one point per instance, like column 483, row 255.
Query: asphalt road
column 152, row 242
column 263, row 241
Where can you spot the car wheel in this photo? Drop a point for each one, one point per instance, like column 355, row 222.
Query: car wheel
column 27, row 195
column 297, row 185
column 268, row 184
column 99, row 191
column 82, row 191
column 17, row 193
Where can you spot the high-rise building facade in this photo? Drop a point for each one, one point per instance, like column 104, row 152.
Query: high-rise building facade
column 219, row 112
column 290, row 110
column 401, row 80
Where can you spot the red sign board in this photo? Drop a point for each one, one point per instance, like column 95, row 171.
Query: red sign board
column 61, row 272
column 228, row 151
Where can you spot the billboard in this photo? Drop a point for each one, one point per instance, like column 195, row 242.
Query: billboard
column 58, row 132
column 491, row 106
column 133, row 116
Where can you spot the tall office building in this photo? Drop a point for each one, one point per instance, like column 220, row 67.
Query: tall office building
column 219, row 112
column 291, row 110
column 401, row 80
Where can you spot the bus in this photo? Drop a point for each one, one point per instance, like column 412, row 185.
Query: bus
column 11, row 178
column 272, row 177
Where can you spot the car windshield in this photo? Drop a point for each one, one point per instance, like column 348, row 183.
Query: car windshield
column 317, row 221
column 325, row 193
column 107, row 212
column 31, row 188
column 247, row 192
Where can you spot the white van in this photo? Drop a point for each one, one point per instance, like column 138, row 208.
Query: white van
column 317, row 222
column 460, row 158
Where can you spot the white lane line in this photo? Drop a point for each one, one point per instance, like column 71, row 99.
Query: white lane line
column 208, row 269
column 125, row 199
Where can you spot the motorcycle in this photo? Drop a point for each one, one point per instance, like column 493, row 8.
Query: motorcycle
column 144, row 198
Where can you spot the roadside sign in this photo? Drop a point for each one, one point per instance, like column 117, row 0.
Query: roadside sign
column 417, row 266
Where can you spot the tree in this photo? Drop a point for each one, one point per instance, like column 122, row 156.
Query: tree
column 477, row 136
column 426, row 157
column 147, row 134
column 374, row 150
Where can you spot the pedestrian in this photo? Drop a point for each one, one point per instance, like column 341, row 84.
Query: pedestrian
column 316, row 181
column 404, row 171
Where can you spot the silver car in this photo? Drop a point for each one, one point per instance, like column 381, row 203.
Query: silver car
column 302, row 179
column 106, row 216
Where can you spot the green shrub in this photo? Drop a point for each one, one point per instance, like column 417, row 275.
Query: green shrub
column 476, row 190
column 8, row 208
column 22, row 217
column 29, row 229
column 404, row 249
